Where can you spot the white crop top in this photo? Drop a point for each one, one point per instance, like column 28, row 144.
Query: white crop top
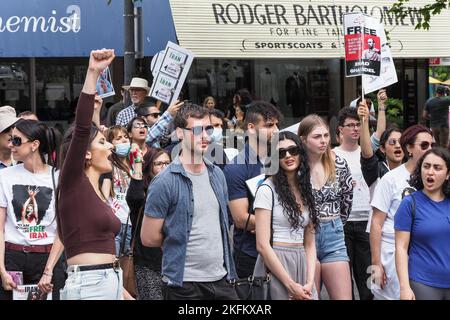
column 282, row 230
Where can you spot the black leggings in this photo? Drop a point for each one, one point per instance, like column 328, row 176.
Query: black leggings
column 424, row 292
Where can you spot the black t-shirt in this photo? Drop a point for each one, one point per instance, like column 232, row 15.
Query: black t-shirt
column 437, row 108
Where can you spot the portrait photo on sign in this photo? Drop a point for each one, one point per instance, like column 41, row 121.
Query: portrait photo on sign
column 104, row 85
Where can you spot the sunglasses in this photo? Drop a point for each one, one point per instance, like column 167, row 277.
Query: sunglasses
column 393, row 141
column 293, row 151
column 199, row 129
column 154, row 115
column 140, row 126
column 16, row 141
column 425, row 145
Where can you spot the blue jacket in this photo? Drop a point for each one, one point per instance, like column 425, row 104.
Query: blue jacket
column 170, row 197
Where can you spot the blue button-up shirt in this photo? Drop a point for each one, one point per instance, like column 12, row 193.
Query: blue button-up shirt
column 170, row 197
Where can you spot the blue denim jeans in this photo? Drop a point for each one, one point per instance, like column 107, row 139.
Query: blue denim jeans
column 330, row 242
column 119, row 238
column 105, row 284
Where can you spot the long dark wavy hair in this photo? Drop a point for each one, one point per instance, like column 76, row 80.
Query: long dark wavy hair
column 416, row 177
column 285, row 195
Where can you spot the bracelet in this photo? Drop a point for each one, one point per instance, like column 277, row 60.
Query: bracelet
column 47, row 274
column 381, row 109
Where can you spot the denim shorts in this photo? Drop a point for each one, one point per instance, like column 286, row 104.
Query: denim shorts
column 330, row 241
column 104, row 284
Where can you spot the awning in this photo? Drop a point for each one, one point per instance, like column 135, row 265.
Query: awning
column 67, row 28
column 432, row 80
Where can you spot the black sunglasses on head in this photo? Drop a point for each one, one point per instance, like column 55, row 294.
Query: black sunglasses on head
column 197, row 130
column 16, row 141
column 293, row 151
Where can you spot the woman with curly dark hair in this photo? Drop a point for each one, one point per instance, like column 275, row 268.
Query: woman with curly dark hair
column 422, row 230
column 286, row 246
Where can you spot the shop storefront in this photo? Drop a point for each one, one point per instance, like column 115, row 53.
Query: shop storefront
column 291, row 53
column 46, row 44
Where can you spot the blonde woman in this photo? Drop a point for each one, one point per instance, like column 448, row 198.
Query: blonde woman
column 333, row 193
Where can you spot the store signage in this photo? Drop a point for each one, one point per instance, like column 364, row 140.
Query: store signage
column 296, row 29
column 72, row 28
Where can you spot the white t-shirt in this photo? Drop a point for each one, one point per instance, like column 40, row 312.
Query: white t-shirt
column 361, row 194
column 118, row 203
column 29, row 201
column 388, row 195
column 282, row 230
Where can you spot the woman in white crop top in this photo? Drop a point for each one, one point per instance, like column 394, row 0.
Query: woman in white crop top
column 287, row 196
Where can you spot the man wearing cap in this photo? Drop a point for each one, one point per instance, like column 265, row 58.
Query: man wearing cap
column 436, row 110
column 138, row 90
column 7, row 120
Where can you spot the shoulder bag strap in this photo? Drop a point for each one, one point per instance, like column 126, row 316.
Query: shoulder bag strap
column 413, row 216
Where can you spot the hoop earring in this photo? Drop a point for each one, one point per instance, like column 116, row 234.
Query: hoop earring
column 410, row 155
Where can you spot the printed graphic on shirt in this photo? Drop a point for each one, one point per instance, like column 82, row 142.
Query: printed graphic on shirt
column 30, row 205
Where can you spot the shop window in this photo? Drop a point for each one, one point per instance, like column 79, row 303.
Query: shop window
column 14, row 84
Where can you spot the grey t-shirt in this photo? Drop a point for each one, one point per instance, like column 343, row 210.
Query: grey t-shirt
column 204, row 253
column 437, row 109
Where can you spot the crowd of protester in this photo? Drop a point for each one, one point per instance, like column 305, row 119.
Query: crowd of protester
column 371, row 214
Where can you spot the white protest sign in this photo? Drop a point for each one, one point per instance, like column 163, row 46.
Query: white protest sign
column 362, row 45
column 388, row 75
column 172, row 73
column 157, row 60
column 293, row 128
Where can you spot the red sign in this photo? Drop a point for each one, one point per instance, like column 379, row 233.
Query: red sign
column 434, row 61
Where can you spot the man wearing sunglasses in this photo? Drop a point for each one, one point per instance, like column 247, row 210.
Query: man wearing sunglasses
column 188, row 200
column 7, row 120
column 356, row 237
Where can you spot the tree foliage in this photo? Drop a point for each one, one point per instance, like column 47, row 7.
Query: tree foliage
column 400, row 9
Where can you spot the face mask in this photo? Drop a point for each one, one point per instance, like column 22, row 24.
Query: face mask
column 123, row 149
column 217, row 135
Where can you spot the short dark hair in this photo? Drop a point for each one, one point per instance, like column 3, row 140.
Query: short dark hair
column 148, row 102
column 409, row 136
column 347, row 112
column 217, row 113
column 440, row 89
column 142, row 111
column 189, row 110
column 261, row 108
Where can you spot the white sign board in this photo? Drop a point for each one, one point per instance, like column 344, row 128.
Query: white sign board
column 172, row 73
column 388, row 75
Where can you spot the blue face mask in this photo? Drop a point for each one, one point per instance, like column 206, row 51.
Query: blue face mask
column 217, row 135
column 123, row 149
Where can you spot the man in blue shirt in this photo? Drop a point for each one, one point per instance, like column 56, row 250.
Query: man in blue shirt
column 261, row 121
column 186, row 214
column 7, row 120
